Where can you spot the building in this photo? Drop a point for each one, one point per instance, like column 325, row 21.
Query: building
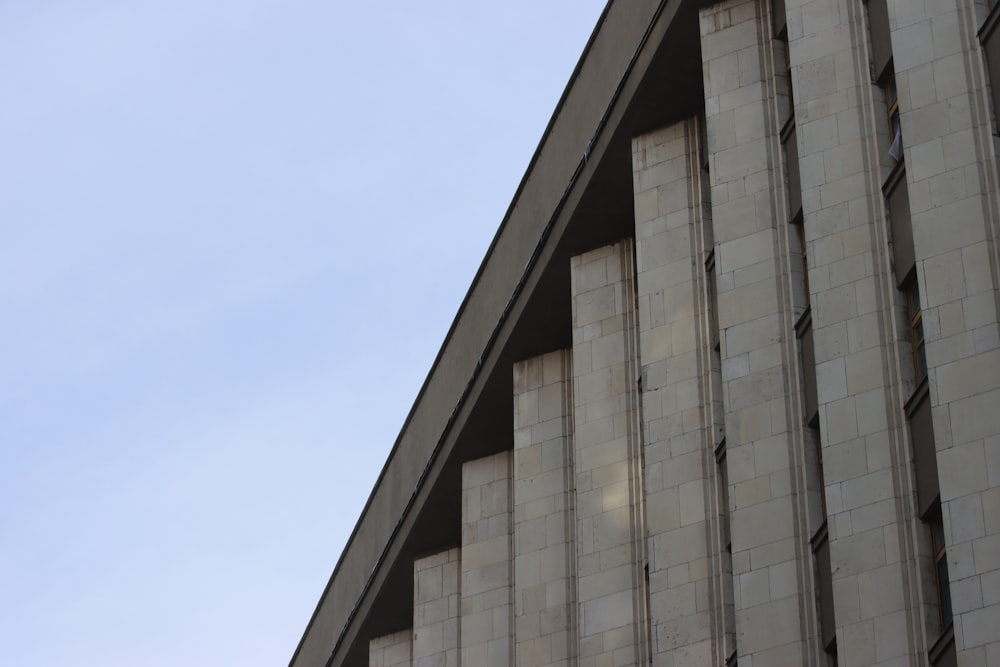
column 726, row 388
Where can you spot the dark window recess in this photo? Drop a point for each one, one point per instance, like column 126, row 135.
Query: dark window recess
column 713, row 297
column 703, row 152
column 898, row 199
column 942, row 654
column 783, row 78
column 878, row 27
column 720, row 460
column 924, row 454
column 804, row 332
column 824, row 576
column 895, row 149
column 918, row 412
column 800, row 255
column 831, row 653
column 791, row 150
column 936, row 525
column 722, row 477
column 989, row 37
column 780, row 23
column 706, row 207
column 818, row 444
column 916, row 323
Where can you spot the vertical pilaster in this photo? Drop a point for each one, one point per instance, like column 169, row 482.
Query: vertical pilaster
column 677, row 423
column 771, row 566
column 611, row 591
column 946, row 130
column 487, row 610
column 395, row 650
column 436, row 586
column 544, row 523
column 865, row 451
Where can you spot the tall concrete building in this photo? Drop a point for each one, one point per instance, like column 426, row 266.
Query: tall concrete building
column 726, row 388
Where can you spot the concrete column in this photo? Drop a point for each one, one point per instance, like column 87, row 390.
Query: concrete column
column 395, row 650
column 436, row 585
column 951, row 176
column 611, row 592
column 487, row 610
column 771, row 559
column 677, row 420
column 544, row 523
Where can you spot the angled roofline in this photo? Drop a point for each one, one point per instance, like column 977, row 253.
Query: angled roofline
column 529, row 172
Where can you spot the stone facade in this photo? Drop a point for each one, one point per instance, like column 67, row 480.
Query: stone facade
column 772, row 433
column 436, row 609
column 395, row 650
column 544, row 520
column 487, row 562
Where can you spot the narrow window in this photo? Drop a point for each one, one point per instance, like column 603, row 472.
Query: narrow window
column 916, row 330
column 783, row 66
column 989, row 37
column 892, row 110
column 824, row 576
column 791, row 153
column 800, row 233
column 715, row 340
column 820, row 541
column 900, row 230
column 878, row 33
column 936, row 525
column 713, row 316
column 722, row 477
column 804, row 332
column 799, row 269
column 778, row 16
column 918, row 413
column 723, row 473
column 942, row 652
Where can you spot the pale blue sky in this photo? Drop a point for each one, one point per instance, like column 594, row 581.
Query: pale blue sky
column 232, row 238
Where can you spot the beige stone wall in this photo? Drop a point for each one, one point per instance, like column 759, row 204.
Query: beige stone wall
column 487, row 562
column 436, row 607
column 610, row 530
column 395, row 650
column 860, row 385
column 950, row 169
column 544, row 522
column 773, row 589
column 685, row 573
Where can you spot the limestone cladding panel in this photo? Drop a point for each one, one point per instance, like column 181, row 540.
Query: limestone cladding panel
column 487, row 563
column 544, row 524
column 436, row 602
column 395, row 650
column 950, row 168
column 610, row 532
column 677, row 429
column 771, row 558
column 873, row 552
